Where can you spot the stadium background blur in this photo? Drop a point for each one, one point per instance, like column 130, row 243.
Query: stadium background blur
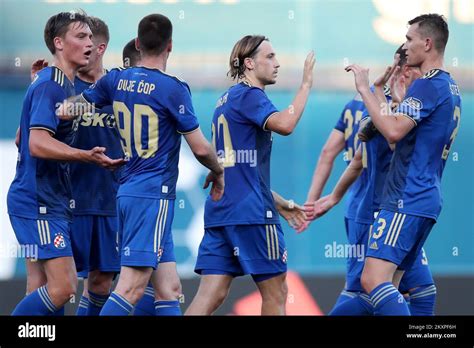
column 341, row 32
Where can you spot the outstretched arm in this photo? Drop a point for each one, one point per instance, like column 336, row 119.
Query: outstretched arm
column 317, row 209
column 333, row 147
column 284, row 122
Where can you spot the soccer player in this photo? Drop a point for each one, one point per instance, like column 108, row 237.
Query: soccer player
column 242, row 231
column 152, row 110
column 94, row 232
column 373, row 158
column 39, row 196
column 168, row 289
column 423, row 127
column 94, row 229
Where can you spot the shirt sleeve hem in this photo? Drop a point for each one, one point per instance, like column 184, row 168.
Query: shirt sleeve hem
column 43, row 128
column 264, row 126
column 189, row 131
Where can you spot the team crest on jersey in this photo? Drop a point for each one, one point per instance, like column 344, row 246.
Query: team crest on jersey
column 413, row 103
column 59, row 241
column 284, row 257
column 160, row 252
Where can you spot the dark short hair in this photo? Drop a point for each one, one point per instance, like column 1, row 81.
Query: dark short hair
column 57, row 26
column 435, row 26
column 246, row 47
column 99, row 28
column 130, row 54
column 154, row 34
column 403, row 55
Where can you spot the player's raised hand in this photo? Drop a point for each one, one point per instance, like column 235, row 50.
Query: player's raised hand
column 398, row 87
column 308, row 70
column 295, row 215
column 97, row 155
column 218, row 184
column 37, row 66
column 389, row 71
column 361, row 76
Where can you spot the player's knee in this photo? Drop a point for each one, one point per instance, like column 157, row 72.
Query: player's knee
column 171, row 291
column 276, row 294
column 100, row 284
column 132, row 293
column 61, row 293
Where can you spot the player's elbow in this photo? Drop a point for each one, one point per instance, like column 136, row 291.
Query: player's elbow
column 280, row 124
column 393, row 136
column 202, row 151
column 283, row 128
column 328, row 154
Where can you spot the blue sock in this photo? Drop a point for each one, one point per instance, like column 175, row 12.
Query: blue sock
column 387, row 300
column 358, row 304
column 422, row 300
column 83, row 305
column 37, row 303
column 167, row 308
column 59, row 312
column 116, row 305
column 146, row 305
column 96, row 302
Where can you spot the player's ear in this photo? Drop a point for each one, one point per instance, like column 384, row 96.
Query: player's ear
column 137, row 44
column 170, row 46
column 101, row 48
column 249, row 63
column 428, row 44
column 58, row 43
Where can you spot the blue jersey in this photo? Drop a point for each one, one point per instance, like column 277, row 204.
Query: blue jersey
column 243, row 144
column 376, row 157
column 94, row 188
column 413, row 184
column 152, row 109
column 348, row 123
column 41, row 188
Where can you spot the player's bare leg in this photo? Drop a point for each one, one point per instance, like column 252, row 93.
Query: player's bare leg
column 213, row 290
column 376, row 272
column 274, row 292
column 99, row 282
column 35, row 276
column 132, row 282
column 61, row 279
column 166, row 282
column 397, row 277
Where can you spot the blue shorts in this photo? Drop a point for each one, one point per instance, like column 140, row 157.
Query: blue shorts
column 398, row 237
column 358, row 236
column 418, row 275
column 50, row 237
column 242, row 249
column 95, row 244
column 145, row 228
